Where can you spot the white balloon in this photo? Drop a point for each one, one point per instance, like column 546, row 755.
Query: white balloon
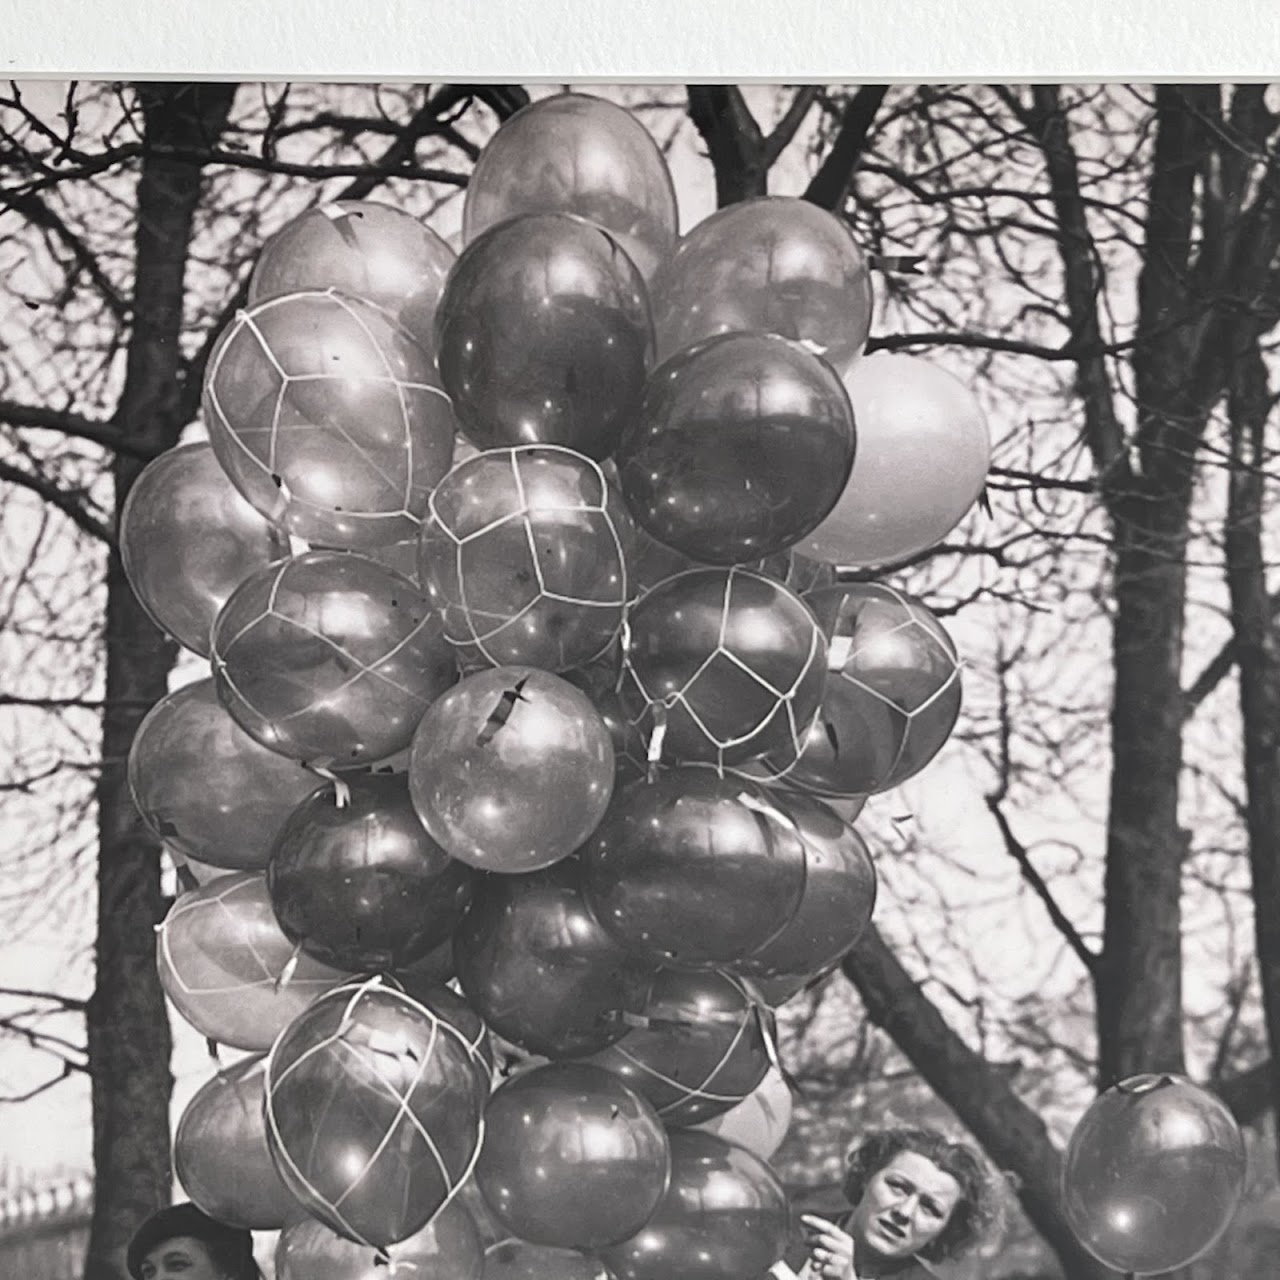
column 760, row 1121
column 922, row 457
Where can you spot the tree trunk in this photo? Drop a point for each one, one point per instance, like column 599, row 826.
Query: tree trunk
column 1012, row 1133
column 1258, row 657
column 128, row 1028
column 735, row 144
column 1139, row 977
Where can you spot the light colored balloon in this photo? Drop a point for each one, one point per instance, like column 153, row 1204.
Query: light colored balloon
column 923, row 453
column 760, row 1121
column 188, row 540
column 575, row 153
column 775, row 264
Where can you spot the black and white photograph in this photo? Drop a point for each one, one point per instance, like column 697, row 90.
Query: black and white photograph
column 664, row 679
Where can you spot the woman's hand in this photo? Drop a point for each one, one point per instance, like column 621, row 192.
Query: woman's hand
column 830, row 1249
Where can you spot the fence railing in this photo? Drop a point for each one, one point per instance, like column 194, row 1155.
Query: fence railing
column 44, row 1231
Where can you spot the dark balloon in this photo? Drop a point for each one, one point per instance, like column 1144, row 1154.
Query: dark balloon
column 434, row 968
column 536, row 965
column 706, row 1047
column 329, row 418
column 188, row 539
column 361, row 885
column 373, row 1112
column 448, row 1248
column 775, row 264
column 543, row 335
column 206, row 788
column 838, row 899
column 693, row 870
column 572, row 1157
column 369, row 250
column 742, row 445
column 228, row 968
column 576, row 153
column 525, row 556
column 220, row 1152
column 725, row 1216
column 1153, row 1174
column 599, row 681
column 513, row 1259
column 511, row 769
column 892, row 692
column 330, row 658
column 727, row 662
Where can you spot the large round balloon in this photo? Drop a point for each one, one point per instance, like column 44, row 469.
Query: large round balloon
column 572, row 1157
column 775, row 264
column 229, row 969
column 575, row 153
column 923, row 453
column 892, row 692
column 370, row 250
column 188, row 539
column 694, row 870
column 742, row 445
column 760, row 1121
column 543, row 335
column 724, row 1216
column 1153, row 1174
column 205, row 787
column 447, row 1248
column 220, row 1152
column 599, row 681
column 373, row 1111
column 838, row 898
column 452, row 1008
column 328, row 417
column 704, row 1044
column 725, row 665
column 360, row 884
column 513, row 1259
column 525, row 556
column 511, row 769
column 537, row 966
column 330, row 658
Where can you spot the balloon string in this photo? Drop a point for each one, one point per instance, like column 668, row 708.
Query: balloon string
column 656, row 739
column 290, row 968
column 341, row 788
column 897, row 263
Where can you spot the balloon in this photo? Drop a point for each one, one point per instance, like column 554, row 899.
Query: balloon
column 188, row 539
column 330, row 658
column 923, row 453
column 228, row 968
column 760, row 1121
column 448, row 1248
column 512, row 1259
column 724, row 1216
column 328, row 417
column 373, row 1111
column 369, row 250
column 543, row 335
column 1153, row 1174
column 452, row 1008
column 435, row 967
column 741, row 446
column 599, row 681
column 360, row 885
column 774, row 264
column 707, row 1045
column 574, row 153
column 220, row 1152
column 694, row 870
column 892, row 693
column 205, row 787
column 572, row 1157
column 837, row 901
column 511, row 770
column 524, row 556
column 729, row 662
column 536, row 965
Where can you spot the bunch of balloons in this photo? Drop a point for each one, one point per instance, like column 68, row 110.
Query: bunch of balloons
column 532, row 688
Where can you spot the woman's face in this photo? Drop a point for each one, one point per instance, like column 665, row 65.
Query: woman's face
column 906, row 1206
column 182, row 1258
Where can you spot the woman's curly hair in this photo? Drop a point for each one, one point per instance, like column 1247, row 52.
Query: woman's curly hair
column 978, row 1213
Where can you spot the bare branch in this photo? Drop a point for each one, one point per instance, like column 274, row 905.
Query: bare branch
column 829, row 187
column 71, row 504
column 43, row 418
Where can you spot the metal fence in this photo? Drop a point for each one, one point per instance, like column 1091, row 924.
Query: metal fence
column 44, row 1231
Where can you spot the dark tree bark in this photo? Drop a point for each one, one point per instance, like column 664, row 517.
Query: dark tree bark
column 1258, row 656
column 128, row 1027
